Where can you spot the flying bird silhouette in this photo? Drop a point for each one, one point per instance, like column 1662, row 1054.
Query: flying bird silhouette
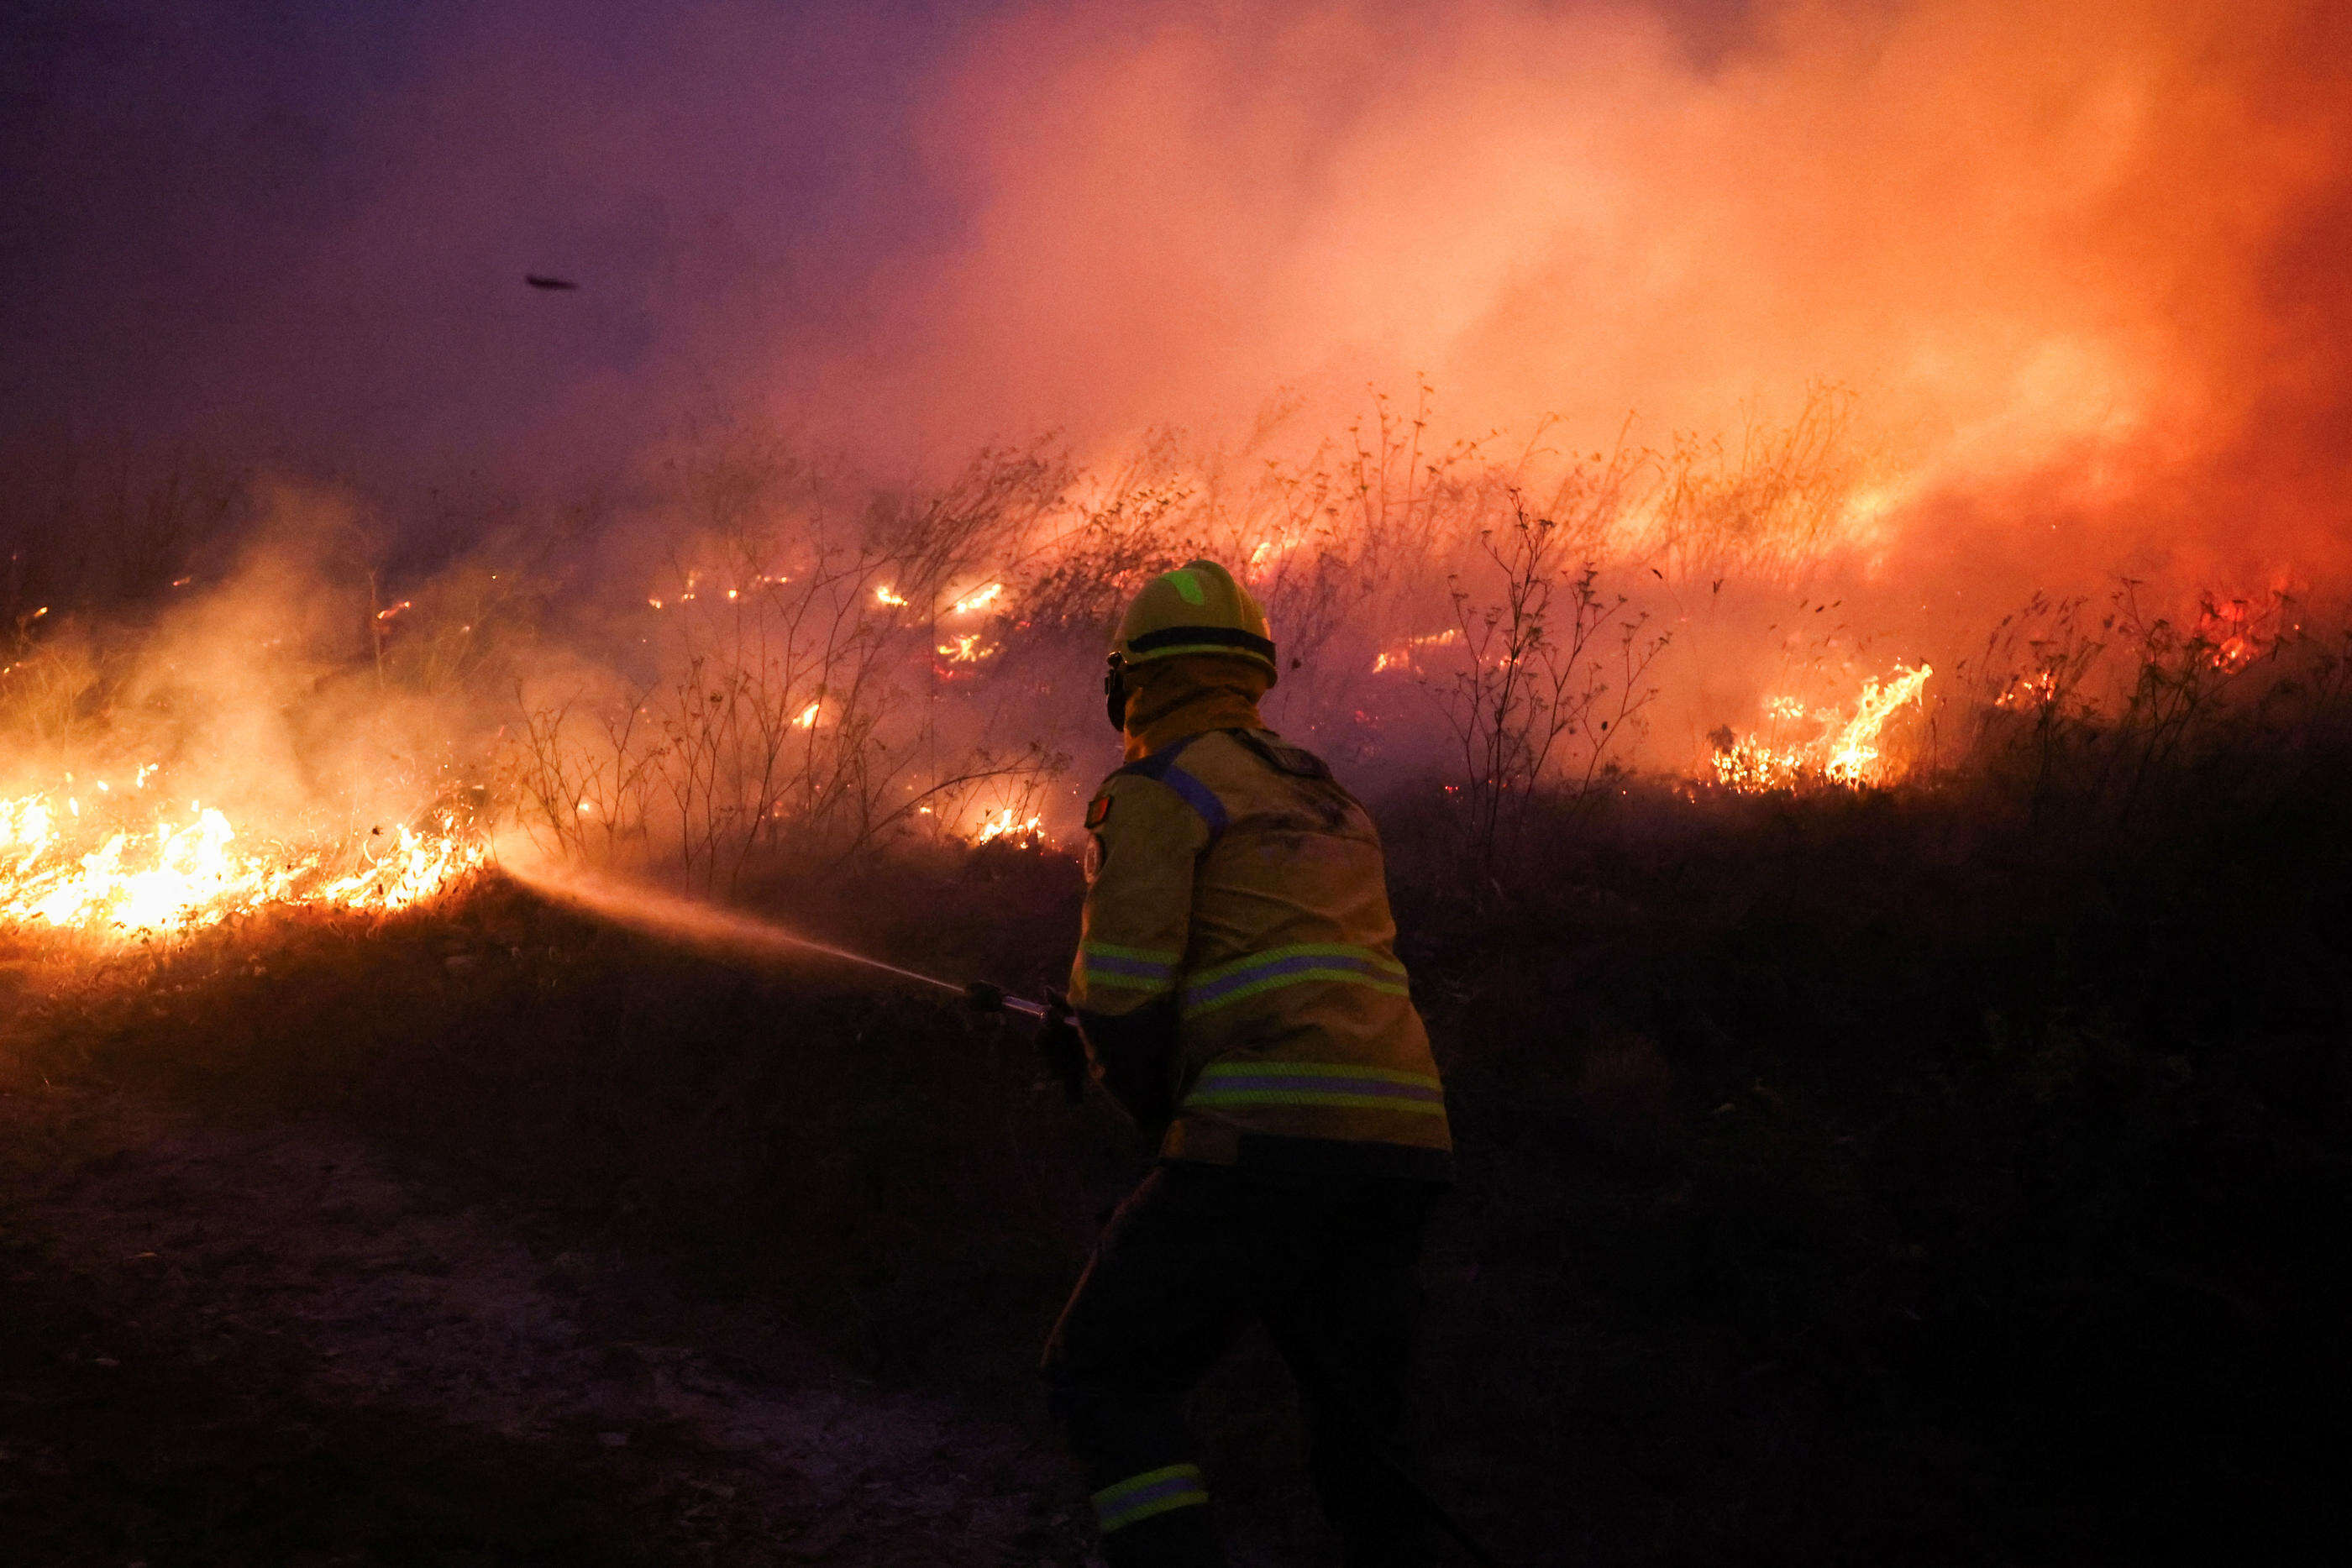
column 536, row 281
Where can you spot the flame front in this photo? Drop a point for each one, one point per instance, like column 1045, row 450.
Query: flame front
column 1847, row 754
column 133, row 881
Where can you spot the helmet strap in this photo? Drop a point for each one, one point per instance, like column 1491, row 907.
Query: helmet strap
column 1115, row 692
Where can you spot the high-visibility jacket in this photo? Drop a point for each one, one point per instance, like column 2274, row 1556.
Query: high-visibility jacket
column 1237, row 976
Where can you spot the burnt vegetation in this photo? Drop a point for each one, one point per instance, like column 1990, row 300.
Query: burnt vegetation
column 1943, row 1172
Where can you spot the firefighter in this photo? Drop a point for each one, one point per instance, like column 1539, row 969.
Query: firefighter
column 1236, row 990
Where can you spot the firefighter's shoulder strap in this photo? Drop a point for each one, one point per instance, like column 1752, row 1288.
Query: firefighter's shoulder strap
column 1161, row 767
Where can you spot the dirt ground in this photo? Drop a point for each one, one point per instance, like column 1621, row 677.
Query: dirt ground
column 262, row 1344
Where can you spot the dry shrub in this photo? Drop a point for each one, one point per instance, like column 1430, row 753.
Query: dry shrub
column 1767, row 507
column 788, row 707
column 2085, row 711
column 1550, row 671
column 47, row 683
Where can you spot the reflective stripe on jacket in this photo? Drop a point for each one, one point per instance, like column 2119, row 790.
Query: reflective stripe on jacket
column 1238, row 953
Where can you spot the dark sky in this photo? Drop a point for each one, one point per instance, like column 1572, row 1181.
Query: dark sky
column 309, row 225
column 304, row 228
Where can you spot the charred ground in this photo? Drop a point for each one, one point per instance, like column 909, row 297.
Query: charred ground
column 1924, row 1176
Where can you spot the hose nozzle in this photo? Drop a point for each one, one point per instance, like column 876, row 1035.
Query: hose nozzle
column 985, row 999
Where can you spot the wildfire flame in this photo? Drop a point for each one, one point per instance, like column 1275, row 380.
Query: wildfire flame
column 1847, row 754
column 980, row 598
column 1400, row 655
column 1854, row 758
column 2237, row 633
column 964, row 651
column 2029, row 691
column 114, row 880
column 1005, row 825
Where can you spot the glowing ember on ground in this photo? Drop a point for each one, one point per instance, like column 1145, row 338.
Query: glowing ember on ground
column 127, row 878
column 964, row 651
column 1847, row 751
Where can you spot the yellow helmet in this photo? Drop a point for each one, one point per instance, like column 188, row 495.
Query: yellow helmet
column 1198, row 608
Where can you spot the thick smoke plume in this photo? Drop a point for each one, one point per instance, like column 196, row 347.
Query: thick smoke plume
column 2076, row 265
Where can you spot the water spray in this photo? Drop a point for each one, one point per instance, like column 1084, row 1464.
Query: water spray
column 697, row 924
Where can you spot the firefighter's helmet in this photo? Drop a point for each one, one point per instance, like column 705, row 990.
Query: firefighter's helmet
column 1196, row 610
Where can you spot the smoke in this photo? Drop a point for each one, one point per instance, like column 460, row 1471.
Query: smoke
column 2078, row 264
column 2077, row 271
column 282, row 691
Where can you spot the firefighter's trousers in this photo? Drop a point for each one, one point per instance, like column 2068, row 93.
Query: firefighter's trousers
column 1326, row 1263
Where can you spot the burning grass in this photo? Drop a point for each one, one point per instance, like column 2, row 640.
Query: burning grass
column 1844, row 749
column 124, row 869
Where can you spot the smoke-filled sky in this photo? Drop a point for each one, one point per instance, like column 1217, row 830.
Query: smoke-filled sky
column 2082, row 266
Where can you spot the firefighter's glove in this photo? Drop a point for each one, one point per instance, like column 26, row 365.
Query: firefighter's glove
column 1061, row 1049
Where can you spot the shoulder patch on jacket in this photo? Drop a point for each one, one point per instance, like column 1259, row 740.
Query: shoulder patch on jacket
column 1099, row 810
column 1284, row 757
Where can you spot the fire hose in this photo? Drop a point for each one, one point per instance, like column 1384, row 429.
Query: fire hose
column 702, row 925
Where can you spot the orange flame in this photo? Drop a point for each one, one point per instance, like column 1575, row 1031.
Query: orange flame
column 131, row 881
column 964, row 651
column 1005, row 825
column 1400, row 655
column 1847, row 754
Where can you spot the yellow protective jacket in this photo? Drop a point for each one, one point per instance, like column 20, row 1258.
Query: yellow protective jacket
column 1236, row 976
